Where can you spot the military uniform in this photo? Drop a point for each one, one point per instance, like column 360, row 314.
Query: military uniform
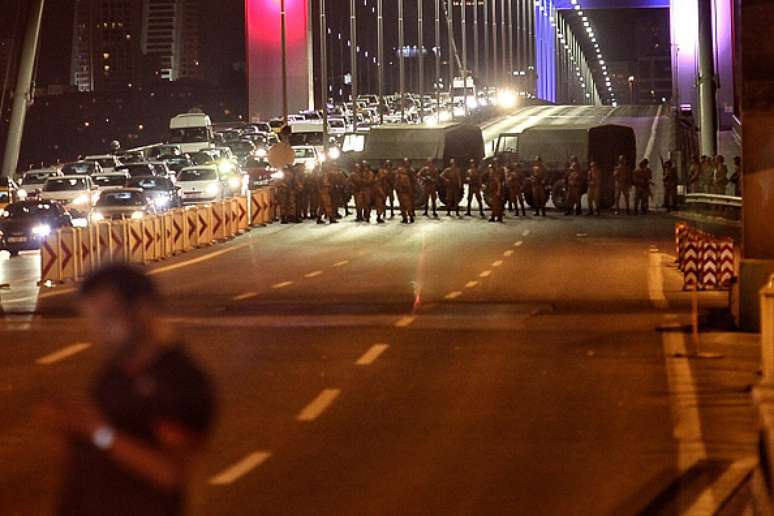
column 623, row 184
column 670, row 186
column 430, row 176
column 516, row 189
column 595, row 188
column 326, row 186
column 641, row 179
column 452, row 178
column 495, row 191
column 538, row 180
column 380, row 186
column 474, row 178
column 342, row 191
column 404, row 186
column 362, row 181
column 574, row 185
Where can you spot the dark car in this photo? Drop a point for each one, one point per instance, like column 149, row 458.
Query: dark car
column 242, row 149
column 138, row 169
column 81, row 168
column 161, row 190
column 176, row 163
column 122, row 204
column 25, row 224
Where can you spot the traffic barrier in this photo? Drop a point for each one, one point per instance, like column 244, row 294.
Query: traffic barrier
column 136, row 241
column 192, row 227
column 234, row 219
column 158, row 237
column 690, row 263
column 256, row 208
column 179, row 228
column 69, row 246
column 119, row 241
column 204, row 216
column 167, row 246
column 727, row 256
column 219, row 223
column 708, row 264
column 86, row 255
column 103, row 245
column 242, row 214
column 681, row 229
column 50, row 264
column 149, row 239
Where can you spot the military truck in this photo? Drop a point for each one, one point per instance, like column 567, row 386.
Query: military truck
column 556, row 144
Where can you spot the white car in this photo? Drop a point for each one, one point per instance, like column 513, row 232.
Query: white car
column 200, row 184
column 112, row 181
column 32, row 181
column 307, row 156
column 108, row 162
column 337, row 127
column 77, row 193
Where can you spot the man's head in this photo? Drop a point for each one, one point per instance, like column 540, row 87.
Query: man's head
column 120, row 304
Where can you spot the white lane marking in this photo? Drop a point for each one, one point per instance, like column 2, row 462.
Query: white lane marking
column 526, row 232
column 712, row 498
column 405, row 322
column 653, row 130
column 318, row 405
column 342, row 263
column 498, row 263
column 313, row 274
column 372, row 354
column 519, row 243
column 246, row 295
column 656, row 282
column 281, row 285
column 471, row 284
column 485, row 274
column 686, row 423
column 508, row 253
column 453, row 295
column 240, row 469
column 194, row 261
column 62, row 354
column 57, row 293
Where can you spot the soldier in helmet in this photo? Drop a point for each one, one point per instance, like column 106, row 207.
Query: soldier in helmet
column 622, row 176
column 495, row 190
column 362, row 181
column 430, row 177
column 516, row 185
column 641, row 179
column 595, row 187
column 574, row 185
column 325, row 188
column 389, row 168
column 405, row 185
column 474, row 178
column 538, row 180
column 342, row 191
column 670, row 185
column 452, row 178
column 381, row 185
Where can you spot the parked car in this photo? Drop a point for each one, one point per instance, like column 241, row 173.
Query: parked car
column 108, row 162
column 81, row 168
column 25, row 224
column 138, row 169
column 200, row 184
column 111, row 181
column 176, row 163
column 161, row 191
column 32, row 181
column 125, row 203
column 163, row 170
column 307, row 156
column 77, row 193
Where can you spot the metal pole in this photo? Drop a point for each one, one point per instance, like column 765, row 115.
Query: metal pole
column 380, row 56
column 450, row 33
column 24, row 89
column 401, row 62
column 495, row 58
column 324, row 73
column 487, row 57
column 284, row 62
column 420, row 52
column 707, row 84
column 503, row 40
column 353, row 55
column 510, row 43
column 464, row 74
column 475, row 40
column 438, row 59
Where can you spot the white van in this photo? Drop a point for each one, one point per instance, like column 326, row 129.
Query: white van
column 192, row 132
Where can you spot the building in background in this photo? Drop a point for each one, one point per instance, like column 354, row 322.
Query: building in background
column 170, row 36
column 653, row 76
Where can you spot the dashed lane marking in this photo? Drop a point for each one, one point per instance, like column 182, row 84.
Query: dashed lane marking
column 519, row 243
column 281, row 285
column 62, row 354
column 526, row 232
column 313, row 274
column 246, row 295
column 318, row 405
column 471, row 284
column 452, row 295
column 656, row 282
column 498, row 263
column 405, row 322
column 240, row 469
column 508, row 253
column 342, row 263
column 485, row 274
column 372, row 354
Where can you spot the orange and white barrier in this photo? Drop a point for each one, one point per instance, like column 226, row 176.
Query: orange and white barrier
column 86, row 256
column 103, row 244
column 136, row 241
column 219, row 221
column 119, row 241
column 204, row 225
column 707, row 262
column 69, row 247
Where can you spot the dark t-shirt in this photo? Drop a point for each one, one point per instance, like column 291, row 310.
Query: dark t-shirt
column 173, row 390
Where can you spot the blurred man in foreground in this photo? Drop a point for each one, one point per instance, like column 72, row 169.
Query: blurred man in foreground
column 131, row 448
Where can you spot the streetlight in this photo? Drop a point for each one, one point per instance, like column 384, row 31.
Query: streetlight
column 631, row 89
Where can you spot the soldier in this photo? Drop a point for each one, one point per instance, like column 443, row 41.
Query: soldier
column 342, row 191
column 721, row 175
column 390, row 169
column 362, row 181
column 381, row 185
column 474, row 178
column 641, row 179
column 595, row 188
column 326, row 187
column 404, row 186
column 299, row 187
column 282, row 187
column 694, row 175
column 430, row 176
column 516, row 189
column 313, row 184
column 538, row 181
column 574, row 185
column 736, row 179
column 452, row 178
column 670, row 185
column 622, row 175
column 494, row 190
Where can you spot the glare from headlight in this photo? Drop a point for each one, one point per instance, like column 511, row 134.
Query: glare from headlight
column 42, row 231
column 97, row 216
column 334, row 153
column 506, row 99
column 309, row 165
column 471, row 102
column 137, row 215
column 161, row 202
column 213, row 190
column 22, row 194
column 234, row 182
column 81, row 199
column 278, row 175
column 261, row 153
column 226, row 167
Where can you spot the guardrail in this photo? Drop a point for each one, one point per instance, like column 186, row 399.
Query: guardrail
column 69, row 254
column 729, row 201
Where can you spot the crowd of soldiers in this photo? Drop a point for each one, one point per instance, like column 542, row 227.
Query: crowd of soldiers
column 711, row 175
column 501, row 184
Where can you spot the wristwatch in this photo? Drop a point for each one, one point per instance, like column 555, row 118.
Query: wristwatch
column 103, row 437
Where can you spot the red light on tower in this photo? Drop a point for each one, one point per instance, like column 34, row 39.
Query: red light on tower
column 263, row 31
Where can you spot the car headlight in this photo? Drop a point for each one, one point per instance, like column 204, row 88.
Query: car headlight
column 261, row 153
column 212, row 190
column 42, row 230
column 234, row 182
column 161, row 201
column 309, row 165
column 137, row 215
column 22, row 194
column 81, row 199
column 278, row 175
column 226, row 167
column 334, row 153
column 97, row 216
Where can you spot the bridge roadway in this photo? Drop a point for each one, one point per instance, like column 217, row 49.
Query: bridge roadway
column 448, row 367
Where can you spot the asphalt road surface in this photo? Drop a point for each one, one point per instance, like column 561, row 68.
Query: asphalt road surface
column 449, row 367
